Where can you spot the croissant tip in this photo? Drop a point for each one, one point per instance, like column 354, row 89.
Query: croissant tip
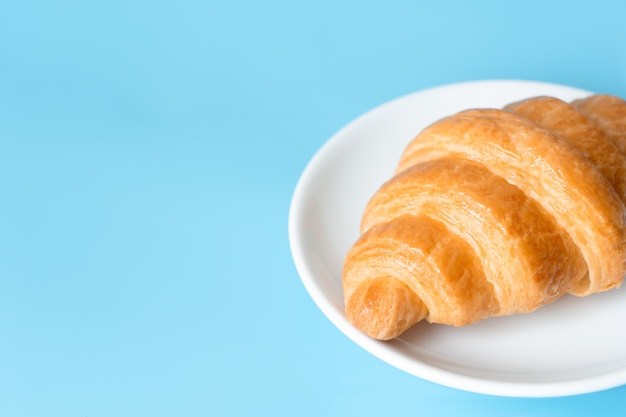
column 383, row 308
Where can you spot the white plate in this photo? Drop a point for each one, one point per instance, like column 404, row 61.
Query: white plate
column 573, row 346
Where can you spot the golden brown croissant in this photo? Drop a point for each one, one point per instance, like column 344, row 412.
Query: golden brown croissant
column 494, row 212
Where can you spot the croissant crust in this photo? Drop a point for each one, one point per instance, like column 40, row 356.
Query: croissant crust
column 494, row 212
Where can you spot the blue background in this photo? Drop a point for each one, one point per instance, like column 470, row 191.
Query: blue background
column 148, row 154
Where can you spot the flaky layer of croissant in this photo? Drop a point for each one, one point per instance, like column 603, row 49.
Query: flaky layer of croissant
column 494, row 212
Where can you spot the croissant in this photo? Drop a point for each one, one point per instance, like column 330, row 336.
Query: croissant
column 494, row 212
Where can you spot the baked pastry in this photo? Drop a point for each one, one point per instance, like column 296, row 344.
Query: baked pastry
column 494, row 212
column 567, row 122
column 608, row 113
